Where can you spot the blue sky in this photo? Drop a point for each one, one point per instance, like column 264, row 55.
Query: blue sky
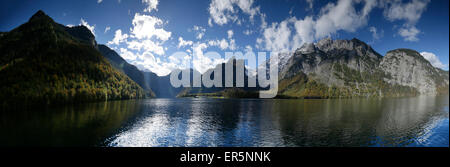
column 147, row 32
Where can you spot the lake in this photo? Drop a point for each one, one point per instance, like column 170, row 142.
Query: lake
column 413, row 121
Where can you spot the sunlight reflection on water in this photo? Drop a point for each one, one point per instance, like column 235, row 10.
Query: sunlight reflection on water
column 419, row 121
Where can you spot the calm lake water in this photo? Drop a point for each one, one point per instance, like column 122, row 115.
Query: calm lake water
column 417, row 121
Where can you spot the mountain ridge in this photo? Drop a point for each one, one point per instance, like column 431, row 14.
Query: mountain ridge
column 41, row 62
column 347, row 68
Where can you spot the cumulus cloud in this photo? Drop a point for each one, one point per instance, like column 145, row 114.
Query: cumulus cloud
column 151, row 5
column 291, row 33
column 341, row 16
column 433, row 59
column 146, row 45
column 224, row 11
column 201, row 62
column 143, row 45
column 305, row 29
column 127, row 55
column 409, row 12
column 182, row 42
column 155, row 64
column 118, row 38
column 85, row 23
column 146, row 26
column 276, row 37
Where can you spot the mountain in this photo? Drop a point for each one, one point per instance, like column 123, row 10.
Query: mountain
column 158, row 85
column 244, row 91
column 407, row 67
column 348, row 68
column 42, row 61
column 119, row 63
column 161, row 85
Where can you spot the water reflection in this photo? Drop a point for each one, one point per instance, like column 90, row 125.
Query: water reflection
column 75, row 125
column 418, row 121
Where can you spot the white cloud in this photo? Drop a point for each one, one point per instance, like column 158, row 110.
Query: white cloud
column 182, row 43
column 409, row 33
column 202, row 63
column 146, row 45
column 107, row 29
column 155, row 65
column 409, row 12
column 146, row 26
column 433, row 59
column 118, row 38
column 127, row 55
column 223, row 11
column 99, row 1
column 276, row 37
column 305, row 29
column 341, row 16
column 291, row 33
column 230, row 34
column 151, row 5
column 85, row 23
column 145, row 40
column 246, row 7
column 376, row 34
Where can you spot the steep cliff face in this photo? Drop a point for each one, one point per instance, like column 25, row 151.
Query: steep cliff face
column 343, row 68
column 407, row 67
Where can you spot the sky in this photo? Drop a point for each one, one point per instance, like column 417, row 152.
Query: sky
column 147, row 33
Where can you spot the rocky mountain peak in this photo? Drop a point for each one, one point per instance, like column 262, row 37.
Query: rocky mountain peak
column 328, row 44
column 40, row 15
column 307, row 48
column 406, row 52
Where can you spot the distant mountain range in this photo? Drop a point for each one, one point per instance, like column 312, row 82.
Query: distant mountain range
column 45, row 62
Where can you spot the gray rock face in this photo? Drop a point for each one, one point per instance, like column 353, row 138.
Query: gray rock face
column 407, row 67
column 320, row 59
column 343, row 62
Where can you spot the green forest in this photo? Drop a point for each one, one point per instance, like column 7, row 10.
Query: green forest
column 41, row 62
